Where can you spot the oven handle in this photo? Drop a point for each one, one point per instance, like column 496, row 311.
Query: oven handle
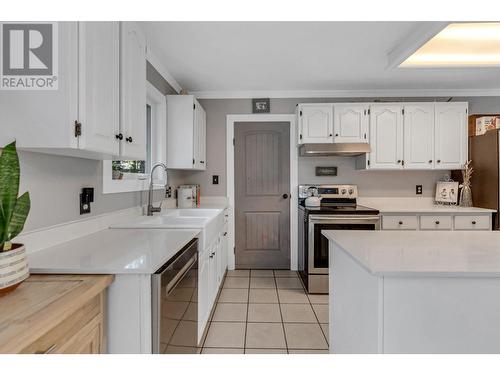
column 328, row 218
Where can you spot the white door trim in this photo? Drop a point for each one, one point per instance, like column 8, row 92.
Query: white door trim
column 294, row 162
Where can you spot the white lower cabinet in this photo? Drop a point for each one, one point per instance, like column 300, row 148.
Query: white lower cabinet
column 211, row 270
column 441, row 221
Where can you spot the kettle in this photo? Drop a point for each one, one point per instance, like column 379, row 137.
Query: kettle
column 313, row 199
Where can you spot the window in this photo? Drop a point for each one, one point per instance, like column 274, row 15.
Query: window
column 133, row 175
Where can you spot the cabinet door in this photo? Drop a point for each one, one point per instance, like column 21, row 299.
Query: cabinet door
column 450, row 135
column 45, row 119
column 350, row 123
column 386, row 136
column 418, row 136
column 214, row 286
column 86, row 341
column 99, row 84
column 133, row 92
column 316, row 123
column 203, row 292
column 199, row 133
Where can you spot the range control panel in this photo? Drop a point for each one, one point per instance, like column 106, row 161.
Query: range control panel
column 328, row 191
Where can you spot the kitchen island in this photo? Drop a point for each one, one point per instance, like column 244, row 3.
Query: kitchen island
column 414, row 291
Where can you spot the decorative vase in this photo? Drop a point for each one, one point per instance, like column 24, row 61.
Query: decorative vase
column 465, row 196
column 13, row 268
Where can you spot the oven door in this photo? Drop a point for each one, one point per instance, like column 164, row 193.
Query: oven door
column 318, row 244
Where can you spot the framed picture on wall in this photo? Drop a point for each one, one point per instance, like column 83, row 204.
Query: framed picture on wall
column 261, row 105
column 447, row 192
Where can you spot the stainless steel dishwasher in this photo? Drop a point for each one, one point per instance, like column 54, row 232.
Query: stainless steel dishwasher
column 175, row 303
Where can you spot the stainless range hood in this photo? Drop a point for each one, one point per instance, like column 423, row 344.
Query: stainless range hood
column 334, row 149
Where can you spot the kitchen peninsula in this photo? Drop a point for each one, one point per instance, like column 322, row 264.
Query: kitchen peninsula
column 414, row 291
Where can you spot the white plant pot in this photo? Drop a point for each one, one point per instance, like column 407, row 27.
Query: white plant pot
column 13, row 268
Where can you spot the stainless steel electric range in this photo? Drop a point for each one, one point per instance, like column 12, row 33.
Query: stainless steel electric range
column 338, row 210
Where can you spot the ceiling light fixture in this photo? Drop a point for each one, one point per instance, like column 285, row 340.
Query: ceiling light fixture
column 460, row 45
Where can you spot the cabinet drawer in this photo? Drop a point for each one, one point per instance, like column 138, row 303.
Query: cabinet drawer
column 471, row 222
column 435, row 222
column 399, row 222
column 56, row 339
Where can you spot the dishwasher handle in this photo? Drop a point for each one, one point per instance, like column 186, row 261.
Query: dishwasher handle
column 180, row 275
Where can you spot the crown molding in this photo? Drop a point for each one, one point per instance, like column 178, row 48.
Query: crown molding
column 383, row 93
column 153, row 60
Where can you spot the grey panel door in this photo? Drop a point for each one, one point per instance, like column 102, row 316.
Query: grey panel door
column 262, row 196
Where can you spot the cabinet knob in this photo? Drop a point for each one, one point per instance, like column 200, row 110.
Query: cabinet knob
column 285, row 196
column 437, row 222
column 119, row 136
column 439, row 161
column 202, row 162
column 400, row 223
column 129, row 139
column 225, row 233
column 473, row 222
column 430, row 161
column 331, row 135
column 399, row 161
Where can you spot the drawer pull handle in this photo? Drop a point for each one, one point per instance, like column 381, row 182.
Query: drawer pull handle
column 473, row 222
column 400, row 223
column 437, row 222
column 49, row 350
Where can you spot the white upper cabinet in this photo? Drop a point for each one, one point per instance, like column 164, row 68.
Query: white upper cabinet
column 418, row 122
column 99, row 108
column 450, row 135
column 350, row 123
column 81, row 117
column 315, row 123
column 186, row 133
column 386, row 136
column 99, row 85
column 133, row 91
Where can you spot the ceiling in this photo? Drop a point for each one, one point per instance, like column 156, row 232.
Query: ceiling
column 226, row 57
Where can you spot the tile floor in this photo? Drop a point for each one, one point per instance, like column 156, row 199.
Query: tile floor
column 267, row 311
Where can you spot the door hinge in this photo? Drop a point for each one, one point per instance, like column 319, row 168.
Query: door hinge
column 78, row 128
column 194, row 106
column 365, row 112
column 403, row 111
column 193, row 161
column 300, row 136
column 402, row 162
column 365, row 136
column 466, row 111
column 369, row 111
column 368, row 161
column 234, row 250
column 300, row 113
column 233, row 142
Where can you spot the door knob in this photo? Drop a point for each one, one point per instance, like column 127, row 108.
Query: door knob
column 129, row 139
column 285, row 196
column 119, row 136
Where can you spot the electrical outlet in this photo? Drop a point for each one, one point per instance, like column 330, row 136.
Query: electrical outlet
column 418, row 189
column 215, row 179
column 86, row 197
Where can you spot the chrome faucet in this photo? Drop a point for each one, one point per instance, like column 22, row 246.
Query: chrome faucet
column 151, row 209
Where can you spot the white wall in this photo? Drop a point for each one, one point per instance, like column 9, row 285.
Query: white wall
column 371, row 184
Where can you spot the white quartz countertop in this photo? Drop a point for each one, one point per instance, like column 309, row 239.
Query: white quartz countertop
column 113, row 251
column 417, row 205
column 422, row 253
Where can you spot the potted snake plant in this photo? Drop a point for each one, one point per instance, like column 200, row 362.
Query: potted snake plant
column 13, row 213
